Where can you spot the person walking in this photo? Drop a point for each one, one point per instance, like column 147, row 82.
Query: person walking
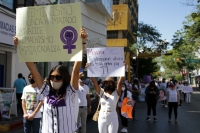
column 60, row 95
column 135, row 94
column 31, row 104
column 84, row 104
column 19, row 84
column 124, row 94
column 173, row 100
column 151, row 100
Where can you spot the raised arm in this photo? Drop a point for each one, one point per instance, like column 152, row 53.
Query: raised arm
column 119, row 85
column 77, row 64
column 31, row 66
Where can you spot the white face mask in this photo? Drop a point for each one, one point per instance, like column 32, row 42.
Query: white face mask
column 56, row 85
column 123, row 88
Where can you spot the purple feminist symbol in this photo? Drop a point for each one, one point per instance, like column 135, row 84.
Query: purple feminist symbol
column 68, row 36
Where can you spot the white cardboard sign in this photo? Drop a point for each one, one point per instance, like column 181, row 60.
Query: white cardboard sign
column 105, row 62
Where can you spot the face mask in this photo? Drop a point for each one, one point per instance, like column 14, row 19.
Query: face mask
column 32, row 81
column 123, row 88
column 56, row 85
column 108, row 88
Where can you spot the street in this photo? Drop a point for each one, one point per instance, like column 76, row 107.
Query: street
column 188, row 119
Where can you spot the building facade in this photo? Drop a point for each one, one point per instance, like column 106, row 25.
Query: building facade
column 94, row 19
column 121, row 27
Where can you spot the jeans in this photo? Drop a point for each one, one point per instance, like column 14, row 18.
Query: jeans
column 19, row 102
column 83, row 115
column 172, row 105
column 151, row 105
column 34, row 124
column 136, row 101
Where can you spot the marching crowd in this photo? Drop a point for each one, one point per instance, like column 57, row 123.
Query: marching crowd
column 60, row 102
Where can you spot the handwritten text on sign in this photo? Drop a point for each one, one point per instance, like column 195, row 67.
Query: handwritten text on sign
column 105, row 62
column 49, row 33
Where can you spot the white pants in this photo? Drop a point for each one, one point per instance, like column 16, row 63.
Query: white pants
column 108, row 122
column 188, row 97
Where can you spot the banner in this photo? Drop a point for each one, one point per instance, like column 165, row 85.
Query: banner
column 105, row 62
column 8, row 104
column 49, row 33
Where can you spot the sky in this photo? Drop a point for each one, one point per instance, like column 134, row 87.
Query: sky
column 166, row 15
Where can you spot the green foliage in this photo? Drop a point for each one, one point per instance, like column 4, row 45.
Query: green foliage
column 178, row 77
column 148, row 40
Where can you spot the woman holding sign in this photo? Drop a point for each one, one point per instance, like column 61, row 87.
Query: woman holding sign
column 60, row 97
column 108, row 118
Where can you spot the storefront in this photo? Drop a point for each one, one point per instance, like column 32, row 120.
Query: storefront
column 7, row 48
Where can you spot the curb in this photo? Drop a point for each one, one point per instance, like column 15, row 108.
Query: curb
column 11, row 126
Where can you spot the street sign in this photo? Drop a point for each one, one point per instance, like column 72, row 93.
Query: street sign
column 193, row 61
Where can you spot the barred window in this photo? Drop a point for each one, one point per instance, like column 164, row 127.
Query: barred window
column 112, row 34
column 115, row 2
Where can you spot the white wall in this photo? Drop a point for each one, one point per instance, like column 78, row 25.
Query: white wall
column 94, row 22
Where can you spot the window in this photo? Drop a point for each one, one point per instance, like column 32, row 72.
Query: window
column 112, row 34
column 7, row 3
column 115, row 2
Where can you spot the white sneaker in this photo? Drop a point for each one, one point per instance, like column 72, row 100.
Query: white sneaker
column 124, row 130
column 166, row 106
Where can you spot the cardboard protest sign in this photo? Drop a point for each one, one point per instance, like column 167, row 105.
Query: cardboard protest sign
column 187, row 89
column 105, row 62
column 49, row 33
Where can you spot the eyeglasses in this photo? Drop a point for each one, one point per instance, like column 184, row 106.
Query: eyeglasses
column 58, row 77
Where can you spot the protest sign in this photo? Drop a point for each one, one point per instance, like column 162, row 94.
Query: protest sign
column 105, row 62
column 49, row 33
column 187, row 89
column 8, row 102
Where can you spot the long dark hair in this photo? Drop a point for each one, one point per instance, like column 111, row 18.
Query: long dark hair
column 125, row 92
column 168, row 85
column 135, row 82
column 63, row 71
column 152, row 84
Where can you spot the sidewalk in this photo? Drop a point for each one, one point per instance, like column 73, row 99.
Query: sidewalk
column 13, row 123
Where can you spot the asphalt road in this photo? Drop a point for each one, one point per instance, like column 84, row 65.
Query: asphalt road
column 188, row 119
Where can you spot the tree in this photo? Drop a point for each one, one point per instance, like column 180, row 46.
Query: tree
column 148, row 66
column 148, row 41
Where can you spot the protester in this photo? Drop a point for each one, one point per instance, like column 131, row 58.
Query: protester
column 31, row 104
column 84, row 104
column 135, row 94
column 60, row 95
column 173, row 100
column 108, row 118
column 151, row 100
column 188, row 94
column 19, row 84
column 124, row 94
